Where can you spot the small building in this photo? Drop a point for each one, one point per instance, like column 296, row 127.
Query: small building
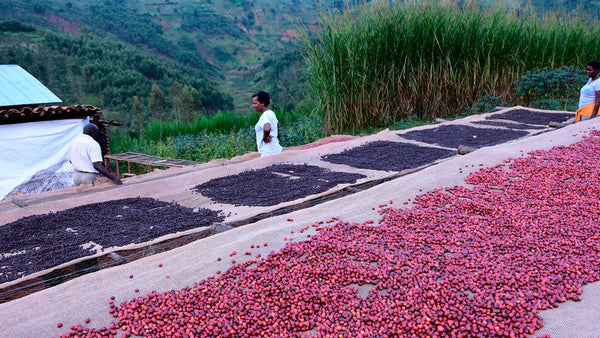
column 35, row 133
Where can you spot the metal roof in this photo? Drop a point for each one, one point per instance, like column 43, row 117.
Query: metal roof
column 18, row 87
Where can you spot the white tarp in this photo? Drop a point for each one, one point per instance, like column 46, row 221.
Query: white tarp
column 29, row 148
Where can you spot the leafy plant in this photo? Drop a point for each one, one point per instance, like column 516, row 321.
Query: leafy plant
column 410, row 122
column 484, row 104
column 305, row 130
column 551, row 88
column 205, row 147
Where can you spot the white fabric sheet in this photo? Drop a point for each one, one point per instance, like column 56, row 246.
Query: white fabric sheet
column 27, row 148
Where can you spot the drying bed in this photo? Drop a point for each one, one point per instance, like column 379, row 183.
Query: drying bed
column 463, row 261
column 36, row 243
column 453, row 135
column 511, row 125
column 273, row 185
column 531, row 117
column 388, row 156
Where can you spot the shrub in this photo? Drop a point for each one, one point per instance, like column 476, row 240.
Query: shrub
column 554, row 89
column 484, row 104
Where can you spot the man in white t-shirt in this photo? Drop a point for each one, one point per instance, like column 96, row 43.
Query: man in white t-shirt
column 86, row 157
column 267, row 127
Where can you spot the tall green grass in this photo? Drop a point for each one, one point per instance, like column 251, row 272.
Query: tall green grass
column 393, row 59
column 224, row 136
column 222, row 122
column 202, row 147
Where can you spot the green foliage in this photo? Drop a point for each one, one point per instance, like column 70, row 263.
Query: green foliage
column 410, row 122
column 219, row 123
column 138, row 29
column 390, row 60
column 285, row 77
column 591, row 7
column 222, row 122
column 551, row 88
column 306, row 129
column 205, row 147
column 222, row 55
column 86, row 67
column 370, row 68
column 176, row 98
column 208, row 21
column 157, row 102
column 191, row 103
column 139, row 116
column 234, row 35
column 15, row 26
column 223, row 136
column 484, row 104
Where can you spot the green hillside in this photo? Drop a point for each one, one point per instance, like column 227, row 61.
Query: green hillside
column 226, row 40
column 108, row 73
column 177, row 60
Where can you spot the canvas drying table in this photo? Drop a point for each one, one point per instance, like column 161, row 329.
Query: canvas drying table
column 150, row 162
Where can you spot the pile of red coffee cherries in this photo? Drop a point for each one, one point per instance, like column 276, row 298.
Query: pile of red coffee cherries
column 476, row 260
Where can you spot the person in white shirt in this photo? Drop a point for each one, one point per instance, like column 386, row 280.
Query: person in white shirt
column 267, row 127
column 86, row 157
column 589, row 98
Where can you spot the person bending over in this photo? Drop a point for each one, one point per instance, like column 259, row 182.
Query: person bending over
column 86, row 157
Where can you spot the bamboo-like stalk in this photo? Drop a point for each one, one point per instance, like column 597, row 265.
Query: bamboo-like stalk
column 393, row 59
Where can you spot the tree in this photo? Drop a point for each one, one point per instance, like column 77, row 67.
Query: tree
column 138, row 120
column 175, row 96
column 157, row 103
column 191, row 103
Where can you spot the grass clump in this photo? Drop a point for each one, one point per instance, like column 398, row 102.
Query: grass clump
column 390, row 60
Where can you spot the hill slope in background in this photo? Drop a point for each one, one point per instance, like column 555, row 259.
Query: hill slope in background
column 109, row 74
column 204, row 56
column 226, row 40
